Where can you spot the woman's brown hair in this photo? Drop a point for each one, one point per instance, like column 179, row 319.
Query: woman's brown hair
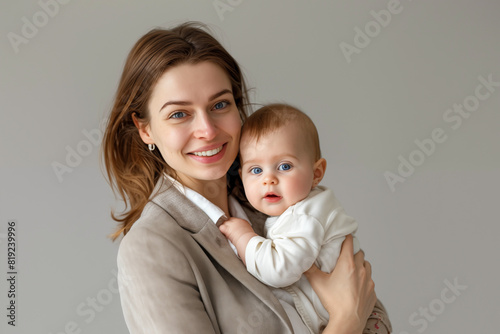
column 132, row 169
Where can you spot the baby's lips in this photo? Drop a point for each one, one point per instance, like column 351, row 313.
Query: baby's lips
column 272, row 197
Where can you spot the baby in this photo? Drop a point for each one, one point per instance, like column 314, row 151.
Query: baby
column 281, row 167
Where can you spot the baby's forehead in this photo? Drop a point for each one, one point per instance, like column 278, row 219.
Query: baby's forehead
column 291, row 127
column 256, row 145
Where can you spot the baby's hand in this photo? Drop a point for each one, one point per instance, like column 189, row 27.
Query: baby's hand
column 234, row 228
column 239, row 232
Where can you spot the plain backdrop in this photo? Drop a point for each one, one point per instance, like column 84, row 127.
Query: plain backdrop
column 419, row 174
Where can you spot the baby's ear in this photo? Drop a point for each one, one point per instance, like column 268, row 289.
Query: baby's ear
column 319, row 169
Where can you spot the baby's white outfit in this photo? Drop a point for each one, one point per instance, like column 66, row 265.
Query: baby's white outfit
column 311, row 231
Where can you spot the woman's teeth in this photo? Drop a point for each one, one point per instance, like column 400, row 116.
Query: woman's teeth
column 208, row 153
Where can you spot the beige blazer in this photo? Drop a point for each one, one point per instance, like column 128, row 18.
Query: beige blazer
column 178, row 274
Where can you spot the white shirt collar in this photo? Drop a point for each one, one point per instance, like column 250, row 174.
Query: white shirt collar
column 211, row 210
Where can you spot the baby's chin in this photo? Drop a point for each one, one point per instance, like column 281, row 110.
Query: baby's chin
column 276, row 211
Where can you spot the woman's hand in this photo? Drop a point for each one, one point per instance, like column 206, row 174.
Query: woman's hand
column 348, row 293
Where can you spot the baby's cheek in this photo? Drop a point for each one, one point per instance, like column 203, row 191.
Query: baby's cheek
column 251, row 193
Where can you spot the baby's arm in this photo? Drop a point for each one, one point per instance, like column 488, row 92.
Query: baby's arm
column 239, row 232
column 281, row 261
column 291, row 247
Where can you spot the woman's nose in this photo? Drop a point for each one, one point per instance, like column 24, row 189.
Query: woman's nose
column 205, row 127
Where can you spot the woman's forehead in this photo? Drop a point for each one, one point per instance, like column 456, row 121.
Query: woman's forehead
column 190, row 83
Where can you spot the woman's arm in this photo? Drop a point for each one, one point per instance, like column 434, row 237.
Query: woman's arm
column 378, row 322
column 348, row 293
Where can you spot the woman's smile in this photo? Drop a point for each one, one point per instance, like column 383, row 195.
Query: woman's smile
column 209, row 156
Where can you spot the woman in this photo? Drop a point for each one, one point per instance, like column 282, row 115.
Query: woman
column 170, row 142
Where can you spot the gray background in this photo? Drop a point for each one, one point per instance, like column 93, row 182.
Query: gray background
column 439, row 225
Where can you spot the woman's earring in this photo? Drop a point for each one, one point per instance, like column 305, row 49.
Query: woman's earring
column 151, row 147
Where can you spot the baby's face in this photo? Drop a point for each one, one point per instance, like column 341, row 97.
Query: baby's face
column 277, row 170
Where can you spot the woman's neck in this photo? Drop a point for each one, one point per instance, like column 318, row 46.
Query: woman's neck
column 214, row 190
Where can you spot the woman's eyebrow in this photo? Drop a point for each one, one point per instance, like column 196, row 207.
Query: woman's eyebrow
column 186, row 103
column 222, row 92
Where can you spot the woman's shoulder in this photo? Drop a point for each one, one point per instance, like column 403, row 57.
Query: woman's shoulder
column 153, row 248
column 155, row 226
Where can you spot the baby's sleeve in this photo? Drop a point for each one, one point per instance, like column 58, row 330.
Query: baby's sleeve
column 291, row 248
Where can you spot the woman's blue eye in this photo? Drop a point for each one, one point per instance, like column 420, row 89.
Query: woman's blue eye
column 178, row 114
column 256, row 170
column 220, row 105
column 284, row 167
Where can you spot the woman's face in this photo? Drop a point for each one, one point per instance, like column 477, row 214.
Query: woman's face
column 194, row 122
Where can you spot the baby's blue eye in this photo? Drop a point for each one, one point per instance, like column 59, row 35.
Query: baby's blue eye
column 220, row 105
column 178, row 114
column 256, row 170
column 284, row 167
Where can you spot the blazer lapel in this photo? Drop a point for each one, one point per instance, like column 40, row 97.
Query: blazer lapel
column 208, row 236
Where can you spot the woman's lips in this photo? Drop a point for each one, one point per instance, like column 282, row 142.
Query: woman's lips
column 209, row 154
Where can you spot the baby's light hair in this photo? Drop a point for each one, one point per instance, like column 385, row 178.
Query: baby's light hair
column 274, row 116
